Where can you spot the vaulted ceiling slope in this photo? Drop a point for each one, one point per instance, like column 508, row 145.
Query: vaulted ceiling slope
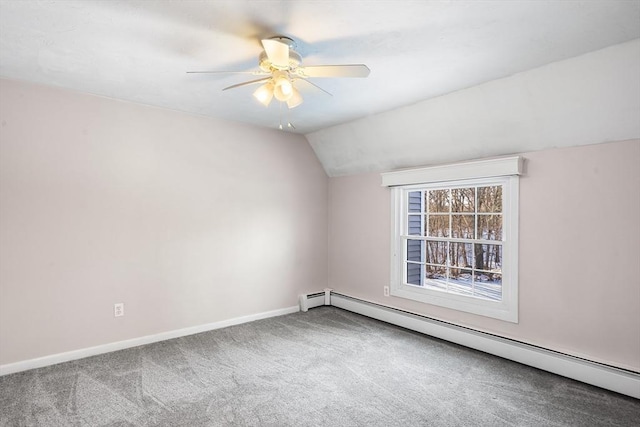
column 590, row 99
column 417, row 50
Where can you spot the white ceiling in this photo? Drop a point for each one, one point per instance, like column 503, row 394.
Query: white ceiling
column 140, row 50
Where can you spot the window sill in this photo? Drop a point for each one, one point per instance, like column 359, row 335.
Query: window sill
column 501, row 310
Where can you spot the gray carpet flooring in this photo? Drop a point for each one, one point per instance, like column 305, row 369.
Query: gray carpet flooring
column 327, row 367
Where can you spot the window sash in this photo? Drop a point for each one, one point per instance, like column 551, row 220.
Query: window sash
column 452, row 239
column 448, row 265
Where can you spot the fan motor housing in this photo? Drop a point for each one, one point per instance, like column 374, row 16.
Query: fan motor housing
column 294, row 57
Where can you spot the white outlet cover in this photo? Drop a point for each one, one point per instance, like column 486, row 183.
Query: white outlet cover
column 118, row 309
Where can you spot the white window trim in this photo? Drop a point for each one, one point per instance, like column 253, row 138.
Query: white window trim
column 503, row 166
column 471, row 173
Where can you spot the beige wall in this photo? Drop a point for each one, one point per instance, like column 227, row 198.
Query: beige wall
column 186, row 220
column 189, row 220
column 579, row 252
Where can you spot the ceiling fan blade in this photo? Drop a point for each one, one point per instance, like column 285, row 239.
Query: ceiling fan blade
column 277, row 52
column 247, row 83
column 309, row 82
column 350, row 70
column 255, row 73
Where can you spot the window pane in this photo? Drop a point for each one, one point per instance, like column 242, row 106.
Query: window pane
column 414, row 225
column 414, row 250
column 461, row 281
column 436, row 253
column 439, row 225
column 488, row 286
column 462, row 226
column 463, row 200
column 462, row 275
column 488, row 258
column 490, row 227
column 439, row 285
column 414, row 200
column 438, row 200
column 413, row 274
column 490, row 199
column 461, row 255
column 436, row 272
column 495, row 278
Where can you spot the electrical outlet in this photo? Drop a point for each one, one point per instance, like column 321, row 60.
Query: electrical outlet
column 386, row 291
column 118, row 309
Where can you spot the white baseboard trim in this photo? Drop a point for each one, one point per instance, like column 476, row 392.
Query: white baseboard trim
column 600, row 375
column 607, row 377
column 54, row 359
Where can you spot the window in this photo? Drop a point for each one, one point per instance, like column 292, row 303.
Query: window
column 455, row 240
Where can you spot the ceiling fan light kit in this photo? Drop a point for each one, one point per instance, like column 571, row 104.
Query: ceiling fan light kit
column 281, row 65
column 264, row 93
column 282, row 86
column 295, row 99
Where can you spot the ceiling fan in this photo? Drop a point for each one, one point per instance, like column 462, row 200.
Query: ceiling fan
column 281, row 67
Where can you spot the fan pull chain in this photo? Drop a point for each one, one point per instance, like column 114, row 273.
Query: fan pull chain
column 289, row 124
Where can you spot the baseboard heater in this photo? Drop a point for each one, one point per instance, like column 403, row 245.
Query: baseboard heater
column 594, row 373
column 317, row 299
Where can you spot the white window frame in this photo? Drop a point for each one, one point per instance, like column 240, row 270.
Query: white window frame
column 504, row 171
